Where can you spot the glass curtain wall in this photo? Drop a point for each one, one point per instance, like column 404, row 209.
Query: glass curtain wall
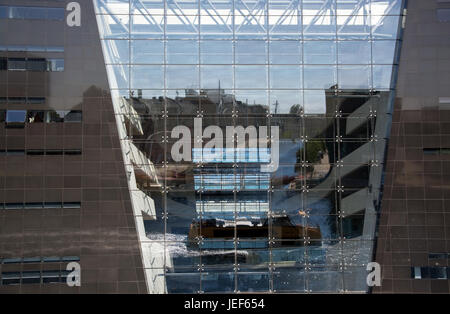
column 313, row 80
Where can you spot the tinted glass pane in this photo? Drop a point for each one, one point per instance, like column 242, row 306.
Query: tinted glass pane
column 16, row 116
column 15, row 64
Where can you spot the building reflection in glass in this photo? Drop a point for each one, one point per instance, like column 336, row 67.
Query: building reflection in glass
column 321, row 71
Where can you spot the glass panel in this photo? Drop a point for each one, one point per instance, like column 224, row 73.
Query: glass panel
column 353, row 26
column 182, row 52
column 285, row 77
column 148, row 26
column 250, row 76
column 121, row 76
column 286, row 101
column 216, row 77
column 251, row 102
column 3, row 64
column 4, row 12
column 323, row 77
column 285, row 23
column 147, row 76
column 216, row 23
column 17, row 64
column 354, row 52
column 385, row 27
column 319, row 23
column 386, row 7
column 15, row 116
column 383, row 51
column 382, row 76
column 285, row 52
column 147, row 51
column 251, row 52
column 73, row 116
column 121, row 55
column 55, row 116
column 319, row 52
column 55, row 65
column 182, row 76
column 112, row 6
column 314, row 101
column 443, row 15
column 354, row 77
column 37, row 65
column 216, row 52
column 114, row 27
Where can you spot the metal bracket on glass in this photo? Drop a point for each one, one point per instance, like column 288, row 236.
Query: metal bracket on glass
column 302, row 112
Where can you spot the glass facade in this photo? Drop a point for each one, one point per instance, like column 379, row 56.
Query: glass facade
column 289, row 201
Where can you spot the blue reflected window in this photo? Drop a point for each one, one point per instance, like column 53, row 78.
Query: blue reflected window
column 16, row 116
column 4, row 12
column 443, row 15
column 55, row 14
column 31, row 13
column 55, row 65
